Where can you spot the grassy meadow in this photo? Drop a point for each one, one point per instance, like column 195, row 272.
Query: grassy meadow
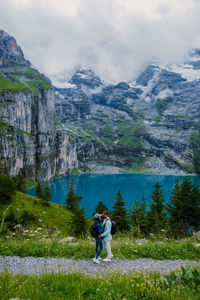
column 182, row 285
column 44, row 231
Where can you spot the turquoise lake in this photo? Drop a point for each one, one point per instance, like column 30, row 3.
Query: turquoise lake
column 94, row 188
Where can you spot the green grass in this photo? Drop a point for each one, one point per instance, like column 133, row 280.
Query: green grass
column 5, row 129
column 162, row 104
column 23, row 79
column 115, row 286
column 52, row 215
column 30, row 184
column 7, row 85
column 84, row 249
column 39, row 237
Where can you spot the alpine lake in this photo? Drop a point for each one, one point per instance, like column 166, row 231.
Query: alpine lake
column 97, row 187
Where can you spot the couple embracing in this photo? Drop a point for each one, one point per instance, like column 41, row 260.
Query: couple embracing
column 103, row 237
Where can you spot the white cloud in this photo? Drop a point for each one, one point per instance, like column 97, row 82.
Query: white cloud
column 113, row 37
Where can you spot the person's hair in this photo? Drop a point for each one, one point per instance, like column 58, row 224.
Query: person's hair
column 105, row 212
column 97, row 216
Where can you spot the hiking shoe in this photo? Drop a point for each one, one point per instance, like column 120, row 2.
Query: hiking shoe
column 107, row 259
column 95, row 260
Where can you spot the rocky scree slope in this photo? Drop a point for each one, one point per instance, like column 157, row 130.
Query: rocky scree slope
column 149, row 125
column 29, row 137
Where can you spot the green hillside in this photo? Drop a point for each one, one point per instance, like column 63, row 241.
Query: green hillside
column 30, row 212
column 23, row 79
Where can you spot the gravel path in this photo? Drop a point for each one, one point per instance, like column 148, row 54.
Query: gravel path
column 32, row 265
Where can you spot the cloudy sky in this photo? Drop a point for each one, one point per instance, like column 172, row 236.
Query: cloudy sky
column 116, row 38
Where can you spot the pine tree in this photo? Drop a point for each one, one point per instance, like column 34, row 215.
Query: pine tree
column 157, row 214
column 72, row 199
column 184, row 207
column 39, row 191
column 3, row 168
column 79, row 222
column 47, row 195
column 7, row 189
column 173, row 207
column 138, row 216
column 20, row 182
column 100, row 207
column 119, row 214
column 194, row 209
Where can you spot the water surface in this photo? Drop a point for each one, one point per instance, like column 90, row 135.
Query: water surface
column 94, row 188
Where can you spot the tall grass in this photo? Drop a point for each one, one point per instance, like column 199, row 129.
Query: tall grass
column 84, row 249
column 114, row 286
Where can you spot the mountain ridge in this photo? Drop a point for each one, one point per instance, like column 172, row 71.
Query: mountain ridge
column 156, row 99
column 150, row 125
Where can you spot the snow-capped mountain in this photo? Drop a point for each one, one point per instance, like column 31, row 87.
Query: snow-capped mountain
column 150, row 124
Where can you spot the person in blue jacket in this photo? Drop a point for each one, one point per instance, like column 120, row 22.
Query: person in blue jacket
column 99, row 242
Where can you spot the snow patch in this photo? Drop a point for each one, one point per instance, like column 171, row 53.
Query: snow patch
column 185, row 70
column 83, row 76
column 165, row 93
column 62, row 85
column 151, row 84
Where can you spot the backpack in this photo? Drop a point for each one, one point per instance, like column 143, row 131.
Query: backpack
column 114, row 227
column 94, row 231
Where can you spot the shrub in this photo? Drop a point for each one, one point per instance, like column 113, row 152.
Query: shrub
column 7, row 189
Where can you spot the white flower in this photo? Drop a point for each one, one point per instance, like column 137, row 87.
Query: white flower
column 18, row 226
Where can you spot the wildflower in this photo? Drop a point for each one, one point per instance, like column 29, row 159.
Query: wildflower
column 18, row 226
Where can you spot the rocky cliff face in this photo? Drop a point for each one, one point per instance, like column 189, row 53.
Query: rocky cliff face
column 29, row 137
column 149, row 125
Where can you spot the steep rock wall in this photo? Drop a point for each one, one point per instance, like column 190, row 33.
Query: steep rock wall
column 29, row 139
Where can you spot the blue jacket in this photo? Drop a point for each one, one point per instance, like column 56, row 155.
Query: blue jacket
column 106, row 235
column 99, row 227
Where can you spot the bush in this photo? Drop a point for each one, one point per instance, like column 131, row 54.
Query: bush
column 7, row 189
column 27, row 218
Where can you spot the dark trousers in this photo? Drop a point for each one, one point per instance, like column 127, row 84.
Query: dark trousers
column 99, row 247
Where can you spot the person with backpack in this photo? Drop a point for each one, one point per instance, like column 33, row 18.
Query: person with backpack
column 95, row 230
column 106, row 235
